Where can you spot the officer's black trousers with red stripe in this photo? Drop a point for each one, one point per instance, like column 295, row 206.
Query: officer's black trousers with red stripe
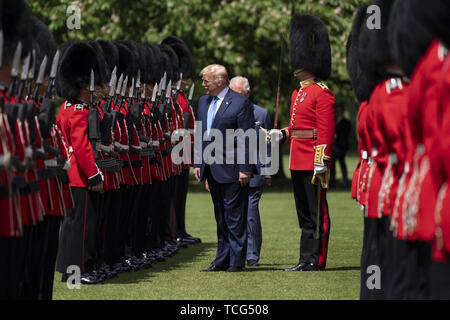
column 78, row 236
column 312, row 250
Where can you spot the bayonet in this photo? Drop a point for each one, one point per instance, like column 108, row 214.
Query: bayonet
column 160, row 87
column 138, row 84
column 112, row 83
column 91, row 88
column 130, row 92
column 53, row 70
column 143, row 92
column 191, row 92
column 179, row 82
column 31, row 73
column 124, row 87
column 40, row 78
column 164, row 81
column 168, row 90
column 24, row 75
column 155, row 89
column 118, row 87
column 15, row 68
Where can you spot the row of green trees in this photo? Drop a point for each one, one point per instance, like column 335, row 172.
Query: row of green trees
column 244, row 35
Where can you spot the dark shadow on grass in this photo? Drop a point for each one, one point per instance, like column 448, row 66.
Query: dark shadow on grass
column 176, row 261
column 343, row 269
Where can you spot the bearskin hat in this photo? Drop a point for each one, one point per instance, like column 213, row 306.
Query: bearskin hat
column 183, row 53
column 74, row 71
column 434, row 15
column 43, row 43
column 310, row 46
column 374, row 46
column 104, row 75
column 171, row 62
column 360, row 82
column 111, row 54
column 16, row 26
column 156, row 63
column 408, row 38
column 127, row 61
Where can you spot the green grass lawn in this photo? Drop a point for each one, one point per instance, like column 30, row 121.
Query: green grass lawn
column 179, row 277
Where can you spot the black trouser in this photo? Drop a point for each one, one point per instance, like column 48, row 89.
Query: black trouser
column 312, row 250
column 166, row 209
column 142, row 220
column 78, row 237
column 157, row 199
column 112, row 240
column 376, row 253
column 48, row 260
column 180, row 203
column 440, row 280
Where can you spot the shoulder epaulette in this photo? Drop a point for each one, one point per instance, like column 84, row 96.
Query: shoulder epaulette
column 322, row 85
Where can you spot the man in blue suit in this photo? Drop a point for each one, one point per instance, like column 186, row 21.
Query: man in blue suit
column 258, row 182
column 221, row 109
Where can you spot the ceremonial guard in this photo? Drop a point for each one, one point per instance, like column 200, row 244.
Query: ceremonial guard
column 78, row 238
column 310, row 133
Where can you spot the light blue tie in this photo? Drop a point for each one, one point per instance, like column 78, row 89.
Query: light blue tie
column 211, row 114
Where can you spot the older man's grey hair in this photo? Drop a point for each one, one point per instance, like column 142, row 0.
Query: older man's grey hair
column 241, row 81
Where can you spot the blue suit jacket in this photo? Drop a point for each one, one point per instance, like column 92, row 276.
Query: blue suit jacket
column 235, row 112
column 261, row 116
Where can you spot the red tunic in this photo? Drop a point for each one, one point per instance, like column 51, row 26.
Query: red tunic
column 72, row 121
column 312, row 107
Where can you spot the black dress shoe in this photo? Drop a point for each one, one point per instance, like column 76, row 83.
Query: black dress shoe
column 298, row 267
column 88, row 278
column 311, row 267
column 252, row 263
column 235, row 269
column 213, row 268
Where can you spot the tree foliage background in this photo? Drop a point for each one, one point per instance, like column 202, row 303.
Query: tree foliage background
column 244, row 35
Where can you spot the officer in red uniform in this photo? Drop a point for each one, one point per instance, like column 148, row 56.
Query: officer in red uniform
column 431, row 78
column 181, row 188
column 310, row 132
column 77, row 245
column 411, row 255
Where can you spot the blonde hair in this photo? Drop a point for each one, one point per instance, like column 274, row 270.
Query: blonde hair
column 218, row 72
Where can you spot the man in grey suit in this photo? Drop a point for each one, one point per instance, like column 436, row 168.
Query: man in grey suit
column 257, row 182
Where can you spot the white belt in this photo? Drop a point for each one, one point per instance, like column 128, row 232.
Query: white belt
column 28, row 152
column 374, row 152
column 420, row 149
column 5, row 159
column 70, row 149
column 364, row 155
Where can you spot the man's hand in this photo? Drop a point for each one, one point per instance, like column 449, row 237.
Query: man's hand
column 197, row 174
column 207, row 186
column 275, row 136
column 244, row 178
column 267, row 182
column 319, row 169
column 98, row 188
column 321, row 175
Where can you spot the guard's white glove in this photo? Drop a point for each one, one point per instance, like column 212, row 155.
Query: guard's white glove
column 275, row 136
column 319, row 169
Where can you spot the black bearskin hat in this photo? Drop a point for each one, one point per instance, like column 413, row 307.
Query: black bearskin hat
column 104, row 75
column 74, row 71
column 435, row 16
column 43, row 43
column 127, row 61
column 171, row 62
column 16, row 26
column 310, row 46
column 408, row 38
column 111, row 54
column 183, row 53
column 359, row 80
column 156, row 63
column 373, row 43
